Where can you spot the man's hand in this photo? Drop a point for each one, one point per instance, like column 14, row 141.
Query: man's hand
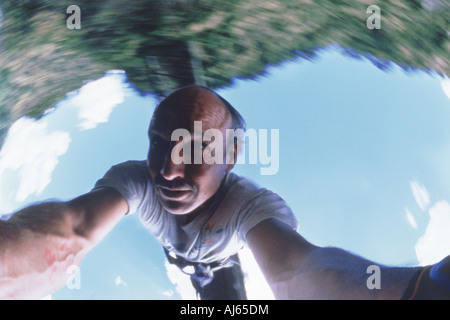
column 39, row 243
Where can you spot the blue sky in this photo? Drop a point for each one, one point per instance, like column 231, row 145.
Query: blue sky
column 363, row 164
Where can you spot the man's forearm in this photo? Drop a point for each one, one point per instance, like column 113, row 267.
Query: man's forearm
column 297, row 269
column 332, row 273
column 9, row 232
column 34, row 262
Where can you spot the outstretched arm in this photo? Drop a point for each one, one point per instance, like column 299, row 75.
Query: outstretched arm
column 39, row 243
column 296, row 269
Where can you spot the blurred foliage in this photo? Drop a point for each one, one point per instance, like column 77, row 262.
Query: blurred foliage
column 163, row 44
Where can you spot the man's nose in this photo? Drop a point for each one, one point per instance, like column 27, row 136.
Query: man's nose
column 170, row 170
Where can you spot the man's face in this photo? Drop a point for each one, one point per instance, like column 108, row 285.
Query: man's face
column 183, row 188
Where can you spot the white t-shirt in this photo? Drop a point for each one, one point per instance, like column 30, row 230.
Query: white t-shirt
column 213, row 235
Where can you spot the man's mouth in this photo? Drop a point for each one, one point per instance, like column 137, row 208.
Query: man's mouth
column 173, row 193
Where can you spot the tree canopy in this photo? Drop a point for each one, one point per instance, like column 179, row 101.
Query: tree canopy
column 163, row 44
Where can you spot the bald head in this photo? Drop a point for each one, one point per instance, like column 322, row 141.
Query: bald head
column 193, row 103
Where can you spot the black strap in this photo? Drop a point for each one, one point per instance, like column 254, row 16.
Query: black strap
column 181, row 263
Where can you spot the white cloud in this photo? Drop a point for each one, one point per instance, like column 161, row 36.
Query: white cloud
column 32, row 153
column 181, row 281
column 97, row 99
column 119, row 282
column 446, row 86
column 411, row 220
column 433, row 245
column 168, row 293
column 420, row 194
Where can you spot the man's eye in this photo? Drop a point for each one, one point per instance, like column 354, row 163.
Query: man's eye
column 157, row 143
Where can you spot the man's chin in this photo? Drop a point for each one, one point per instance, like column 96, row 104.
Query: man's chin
column 177, row 208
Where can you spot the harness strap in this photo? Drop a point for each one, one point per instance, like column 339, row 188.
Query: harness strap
column 182, row 263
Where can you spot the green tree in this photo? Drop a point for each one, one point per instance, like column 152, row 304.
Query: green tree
column 163, row 44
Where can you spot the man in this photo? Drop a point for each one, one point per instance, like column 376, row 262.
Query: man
column 201, row 213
